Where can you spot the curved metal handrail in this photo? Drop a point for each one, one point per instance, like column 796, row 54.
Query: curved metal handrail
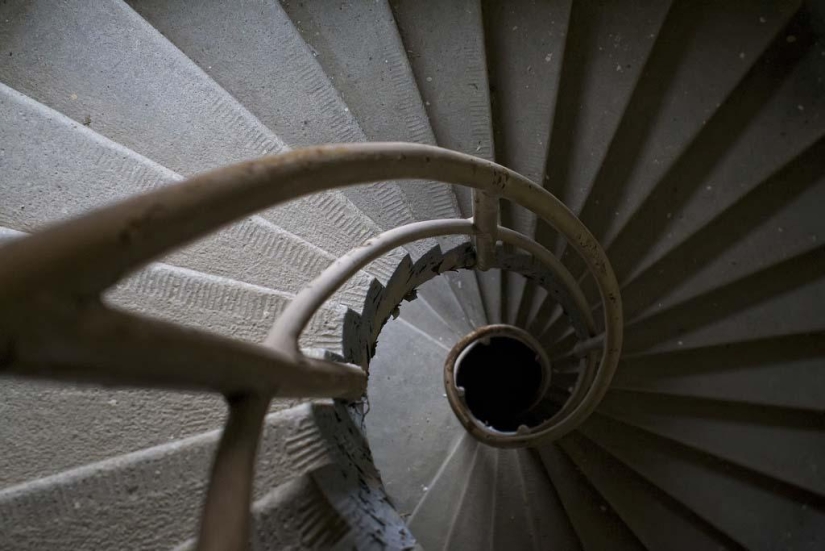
column 294, row 319
column 54, row 324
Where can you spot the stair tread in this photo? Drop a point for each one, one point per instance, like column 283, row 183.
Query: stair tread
column 359, row 49
column 53, row 438
column 213, row 303
column 410, row 431
column 139, row 98
column 606, row 48
column 281, row 82
column 180, row 93
column 149, row 498
column 525, row 44
column 47, row 151
column 444, row 46
column 344, row 507
column 595, row 522
column 701, row 54
column 448, row 60
column 431, row 520
column 550, row 524
column 657, row 520
column 775, row 219
column 761, row 372
column 89, row 170
column 780, row 443
column 779, row 299
column 487, row 498
column 605, row 51
column 472, row 525
column 512, row 518
column 688, row 137
column 755, row 512
column 762, row 124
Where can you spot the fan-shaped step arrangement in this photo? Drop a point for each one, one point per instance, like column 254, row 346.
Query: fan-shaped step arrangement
column 688, row 137
column 220, row 284
column 201, row 126
column 284, row 85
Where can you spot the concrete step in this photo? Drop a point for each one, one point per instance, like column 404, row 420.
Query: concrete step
column 525, row 47
column 360, row 50
column 281, row 82
column 154, row 100
column 444, row 44
column 713, row 490
column 151, row 498
column 46, row 153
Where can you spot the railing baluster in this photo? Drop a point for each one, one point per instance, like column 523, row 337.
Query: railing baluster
column 485, row 220
column 226, row 513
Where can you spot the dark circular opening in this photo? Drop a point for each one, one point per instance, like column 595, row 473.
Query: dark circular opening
column 501, row 380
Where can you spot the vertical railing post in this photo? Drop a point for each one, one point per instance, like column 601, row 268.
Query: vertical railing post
column 226, row 513
column 485, row 220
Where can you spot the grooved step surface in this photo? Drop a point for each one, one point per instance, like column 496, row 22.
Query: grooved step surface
column 296, row 516
column 281, row 83
column 150, row 98
column 359, row 49
column 47, row 154
column 217, row 305
column 38, row 441
column 445, row 46
column 144, row 500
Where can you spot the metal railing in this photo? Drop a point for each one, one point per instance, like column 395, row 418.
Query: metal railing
column 54, row 325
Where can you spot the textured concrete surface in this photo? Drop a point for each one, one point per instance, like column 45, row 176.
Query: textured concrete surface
column 690, row 138
column 447, row 56
column 149, row 499
column 150, row 98
column 525, row 43
column 414, row 396
column 46, row 153
column 283, row 85
column 286, row 88
column 358, row 46
column 687, row 78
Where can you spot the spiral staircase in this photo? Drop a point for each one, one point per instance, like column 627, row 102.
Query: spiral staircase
column 607, row 333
